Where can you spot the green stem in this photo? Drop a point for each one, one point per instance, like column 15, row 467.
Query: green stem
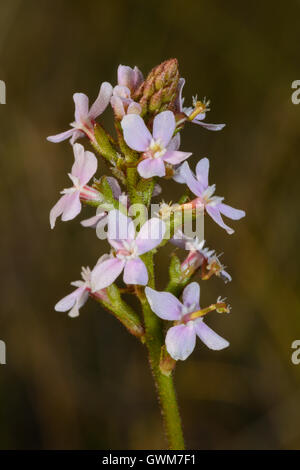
column 154, row 340
column 164, row 384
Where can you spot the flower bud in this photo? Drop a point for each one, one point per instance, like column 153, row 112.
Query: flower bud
column 159, row 90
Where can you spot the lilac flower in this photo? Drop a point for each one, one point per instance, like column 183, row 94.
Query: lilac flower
column 130, row 78
column 189, row 110
column 69, row 205
column 128, row 247
column 85, row 117
column 212, row 204
column 74, row 301
column 128, row 81
column 181, row 338
column 157, row 149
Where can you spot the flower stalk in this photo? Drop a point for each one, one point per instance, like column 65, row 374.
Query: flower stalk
column 148, row 118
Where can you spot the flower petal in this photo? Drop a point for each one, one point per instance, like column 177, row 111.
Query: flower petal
column 120, row 227
column 117, row 106
column 115, row 187
column 104, row 274
column 68, row 302
column 62, row 136
column 179, row 100
column 72, row 206
column 138, row 77
column 134, row 108
column 211, row 339
column 101, row 101
column 57, row 210
column 150, row 167
column 202, row 170
column 190, row 179
column 231, row 212
column 135, row 272
column 85, row 165
column 164, row 304
column 122, row 92
column 76, row 135
column 164, row 126
column 177, row 175
column 180, row 341
column 81, row 106
column 137, row 136
column 210, row 127
column 150, row 235
column 191, row 295
column 174, row 157
column 93, row 221
column 74, row 312
column 175, row 142
column 215, row 214
column 126, row 76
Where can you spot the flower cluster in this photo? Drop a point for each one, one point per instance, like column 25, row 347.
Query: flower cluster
column 148, row 116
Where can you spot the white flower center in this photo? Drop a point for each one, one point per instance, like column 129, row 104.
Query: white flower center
column 128, row 251
column 208, row 198
column 83, row 124
column 194, row 244
column 86, row 275
column 76, row 185
column 156, row 148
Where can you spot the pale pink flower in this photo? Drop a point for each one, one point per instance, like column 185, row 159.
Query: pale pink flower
column 128, row 81
column 181, row 338
column 213, row 205
column 74, row 301
column 157, row 148
column 85, row 117
column 128, row 247
column 188, row 110
column 130, row 78
column 83, row 169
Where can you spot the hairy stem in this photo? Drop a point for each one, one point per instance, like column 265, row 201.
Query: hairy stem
column 164, row 384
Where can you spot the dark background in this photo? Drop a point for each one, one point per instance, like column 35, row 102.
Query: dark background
column 85, row 383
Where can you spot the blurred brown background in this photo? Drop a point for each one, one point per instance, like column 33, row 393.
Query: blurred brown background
column 85, row 383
